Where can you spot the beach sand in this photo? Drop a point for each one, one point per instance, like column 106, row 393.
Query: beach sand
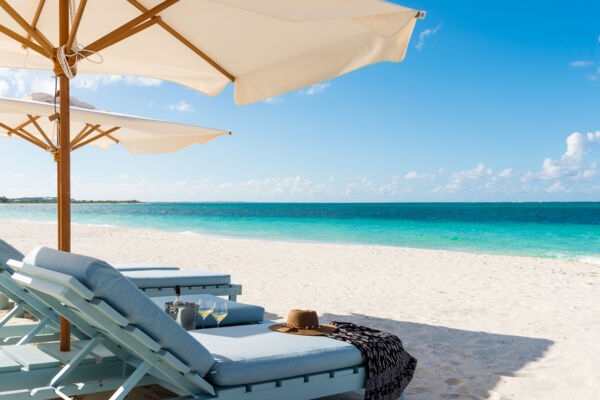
column 481, row 326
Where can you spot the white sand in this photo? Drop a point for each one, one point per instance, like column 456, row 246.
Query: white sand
column 481, row 326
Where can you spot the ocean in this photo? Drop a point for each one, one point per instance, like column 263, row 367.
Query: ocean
column 554, row 230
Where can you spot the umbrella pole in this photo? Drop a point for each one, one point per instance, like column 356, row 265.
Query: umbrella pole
column 64, row 165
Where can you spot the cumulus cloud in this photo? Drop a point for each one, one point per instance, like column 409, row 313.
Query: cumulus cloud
column 124, row 176
column 424, row 34
column 182, row 106
column 572, row 161
column 507, row 173
column 315, row 89
column 457, row 178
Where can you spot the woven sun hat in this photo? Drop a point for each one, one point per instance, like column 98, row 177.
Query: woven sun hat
column 303, row 322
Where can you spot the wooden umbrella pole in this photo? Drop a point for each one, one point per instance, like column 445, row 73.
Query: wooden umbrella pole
column 64, row 164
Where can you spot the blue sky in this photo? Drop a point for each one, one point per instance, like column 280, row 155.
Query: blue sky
column 495, row 101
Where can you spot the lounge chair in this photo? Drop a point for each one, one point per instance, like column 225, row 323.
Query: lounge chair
column 128, row 330
column 157, row 279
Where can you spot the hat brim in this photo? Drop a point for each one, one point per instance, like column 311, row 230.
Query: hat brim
column 323, row 329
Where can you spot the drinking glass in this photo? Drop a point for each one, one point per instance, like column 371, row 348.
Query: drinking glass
column 205, row 308
column 220, row 312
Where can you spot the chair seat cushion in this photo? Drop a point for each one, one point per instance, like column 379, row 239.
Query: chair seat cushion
column 237, row 313
column 144, row 267
column 161, row 278
column 110, row 285
column 253, row 353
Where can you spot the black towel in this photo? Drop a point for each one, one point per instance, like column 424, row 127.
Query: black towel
column 389, row 368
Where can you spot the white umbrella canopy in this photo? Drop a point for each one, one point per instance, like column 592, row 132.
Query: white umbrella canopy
column 32, row 120
column 266, row 47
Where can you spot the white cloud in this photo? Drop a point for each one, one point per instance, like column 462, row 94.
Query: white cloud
column 124, row 176
column 424, row 34
column 24, row 81
column 573, row 160
column 507, row 173
column 274, row 100
column 557, row 187
column 315, row 89
column 414, row 175
column 581, row 63
column 457, row 178
column 4, row 88
column 182, row 106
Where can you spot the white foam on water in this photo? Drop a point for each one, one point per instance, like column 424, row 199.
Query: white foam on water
column 595, row 260
column 189, row 233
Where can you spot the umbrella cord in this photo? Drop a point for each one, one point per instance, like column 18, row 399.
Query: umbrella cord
column 76, row 51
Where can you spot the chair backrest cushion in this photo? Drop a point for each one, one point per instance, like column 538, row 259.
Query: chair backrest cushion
column 7, row 252
column 110, row 285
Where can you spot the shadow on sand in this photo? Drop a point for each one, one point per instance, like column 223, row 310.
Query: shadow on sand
column 453, row 363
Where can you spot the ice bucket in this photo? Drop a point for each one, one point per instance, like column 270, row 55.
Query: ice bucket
column 185, row 314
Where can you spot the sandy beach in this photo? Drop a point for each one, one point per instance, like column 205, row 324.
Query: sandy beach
column 481, row 326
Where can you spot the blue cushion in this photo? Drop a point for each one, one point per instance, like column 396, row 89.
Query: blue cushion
column 161, row 278
column 7, row 252
column 110, row 285
column 143, row 267
column 253, row 353
column 237, row 313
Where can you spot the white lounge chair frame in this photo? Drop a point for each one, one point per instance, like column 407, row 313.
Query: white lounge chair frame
column 142, row 355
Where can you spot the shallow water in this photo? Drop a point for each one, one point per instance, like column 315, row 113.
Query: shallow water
column 556, row 230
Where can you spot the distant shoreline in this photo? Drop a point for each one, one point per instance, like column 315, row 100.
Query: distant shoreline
column 52, row 200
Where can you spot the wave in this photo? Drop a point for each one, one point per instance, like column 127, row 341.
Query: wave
column 595, row 260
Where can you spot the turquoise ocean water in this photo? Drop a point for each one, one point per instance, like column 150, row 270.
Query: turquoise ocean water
column 556, row 230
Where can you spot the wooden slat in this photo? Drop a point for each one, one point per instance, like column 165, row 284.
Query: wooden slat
column 140, row 336
column 24, row 41
column 85, row 132
column 36, row 17
column 41, row 131
column 109, row 312
column 76, row 22
column 30, row 357
column 108, row 132
column 129, row 25
column 46, row 45
column 187, row 43
column 152, row 21
column 8, row 364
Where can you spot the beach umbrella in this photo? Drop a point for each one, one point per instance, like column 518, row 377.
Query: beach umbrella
column 34, row 120
column 265, row 47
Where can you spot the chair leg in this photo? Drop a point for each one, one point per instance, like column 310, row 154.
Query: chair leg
column 233, row 297
column 130, row 383
column 32, row 333
column 79, row 357
column 12, row 313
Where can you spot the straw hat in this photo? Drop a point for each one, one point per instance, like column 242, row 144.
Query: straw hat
column 303, row 322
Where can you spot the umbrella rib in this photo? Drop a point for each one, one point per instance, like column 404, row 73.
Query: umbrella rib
column 81, row 135
column 109, row 37
column 45, row 43
column 41, row 131
column 76, row 23
column 102, row 134
column 130, row 32
column 24, row 41
column 36, row 17
column 187, row 43
column 33, row 139
column 15, row 131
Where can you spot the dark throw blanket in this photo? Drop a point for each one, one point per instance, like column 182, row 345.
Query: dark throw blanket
column 389, row 368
